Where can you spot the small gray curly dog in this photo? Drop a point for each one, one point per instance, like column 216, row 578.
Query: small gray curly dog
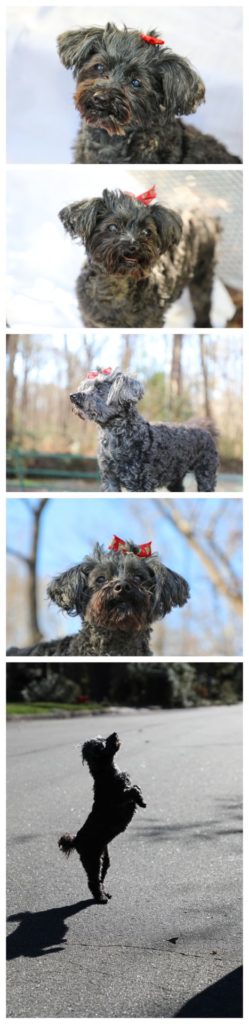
column 140, row 258
column 129, row 93
column 114, row 805
column 118, row 594
column 137, row 455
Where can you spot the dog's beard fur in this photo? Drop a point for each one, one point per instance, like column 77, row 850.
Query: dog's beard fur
column 122, row 612
column 118, row 257
column 108, row 109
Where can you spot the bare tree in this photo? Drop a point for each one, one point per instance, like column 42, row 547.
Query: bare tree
column 175, row 389
column 216, row 561
column 30, row 561
column 207, row 404
column 12, row 341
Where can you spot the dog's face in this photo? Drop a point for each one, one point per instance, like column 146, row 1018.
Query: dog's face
column 121, row 235
column 99, row 753
column 117, row 591
column 105, row 397
column 122, row 81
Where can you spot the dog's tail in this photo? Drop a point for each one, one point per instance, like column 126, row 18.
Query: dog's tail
column 66, row 843
column 206, row 424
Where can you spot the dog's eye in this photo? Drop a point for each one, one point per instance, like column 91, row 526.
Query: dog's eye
column 146, row 231
column 136, row 83
column 137, row 577
column 100, row 579
column 100, row 68
column 112, row 227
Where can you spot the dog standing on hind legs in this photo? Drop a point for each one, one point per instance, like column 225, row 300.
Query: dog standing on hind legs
column 114, row 804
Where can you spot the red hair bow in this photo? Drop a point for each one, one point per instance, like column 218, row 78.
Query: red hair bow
column 145, row 197
column 151, row 39
column 95, row 373
column 142, row 550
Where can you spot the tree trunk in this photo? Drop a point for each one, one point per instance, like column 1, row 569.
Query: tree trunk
column 176, row 370
column 11, row 348
column 207, row 404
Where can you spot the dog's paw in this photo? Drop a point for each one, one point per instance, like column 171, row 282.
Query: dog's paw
column 108, row 895
column 143, row 804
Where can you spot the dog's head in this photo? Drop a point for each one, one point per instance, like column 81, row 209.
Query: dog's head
column 123, row 80
column 106, row 395
column 121, row 234
column 99, row 753
column 119, row 589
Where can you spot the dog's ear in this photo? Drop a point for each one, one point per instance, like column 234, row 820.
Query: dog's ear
column 76, row 47
column 80, row 219
column 70, row 590
column 168, row 225
column 172, row 591
column 183, row 89
column 125, row 389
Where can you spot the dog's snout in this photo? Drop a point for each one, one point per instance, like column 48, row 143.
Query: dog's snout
column 76, row 398
column 122, row 587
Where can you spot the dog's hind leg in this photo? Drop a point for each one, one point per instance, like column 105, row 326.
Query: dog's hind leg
column 104, row 868
column 205, row 475
column 201, row 288
column 92, row 865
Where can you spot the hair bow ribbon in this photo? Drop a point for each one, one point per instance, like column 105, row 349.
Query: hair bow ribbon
column 141, row 550
column 95, row 373
column 153, row 40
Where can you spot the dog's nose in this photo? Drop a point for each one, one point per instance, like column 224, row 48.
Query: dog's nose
column 122, row 587
column 98, row 97
column 76, row 398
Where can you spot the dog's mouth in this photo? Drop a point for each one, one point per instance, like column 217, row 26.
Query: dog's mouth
column 77, row 407
column 107, row 110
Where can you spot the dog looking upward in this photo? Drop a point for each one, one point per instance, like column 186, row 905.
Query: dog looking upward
column 118, row 594
column 137, row 455
column 114, row 804
column 140, row 257
column 130, row 91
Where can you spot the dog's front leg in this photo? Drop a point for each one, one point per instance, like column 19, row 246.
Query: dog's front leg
column 135, row 794
column 110, row 483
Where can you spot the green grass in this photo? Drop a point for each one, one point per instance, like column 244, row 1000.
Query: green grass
column 44, row 707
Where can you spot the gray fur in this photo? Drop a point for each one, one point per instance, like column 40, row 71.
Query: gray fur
column 129, row 94
column 140, row 259
column 137, row 455
column 118, row 596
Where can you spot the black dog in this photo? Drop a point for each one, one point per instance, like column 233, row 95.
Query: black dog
column 115, row 802
column 140, row 258
column 129, row 93
column 137, row 455
column 118, row 594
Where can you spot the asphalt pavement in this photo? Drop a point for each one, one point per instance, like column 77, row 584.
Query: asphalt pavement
column 169, row 942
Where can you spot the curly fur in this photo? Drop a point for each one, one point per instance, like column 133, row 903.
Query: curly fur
column 140, row 259
column 114, row 804
column 129, row 95
column 137, row 455
column 118, row 596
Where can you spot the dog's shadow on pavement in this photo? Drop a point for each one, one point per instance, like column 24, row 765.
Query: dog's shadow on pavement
column 42, row 932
